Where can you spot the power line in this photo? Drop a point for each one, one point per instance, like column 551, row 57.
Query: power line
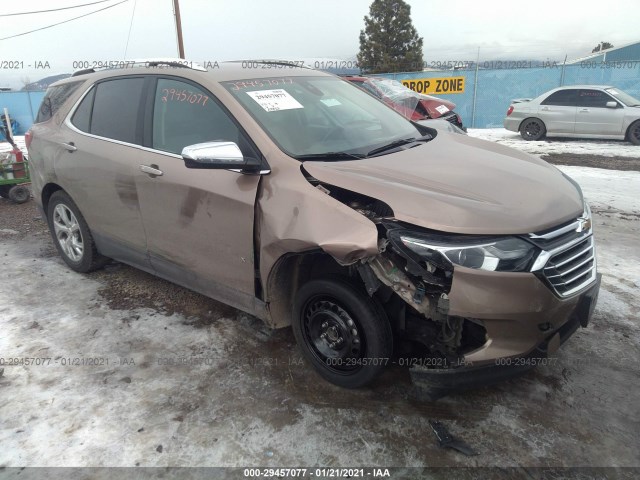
column 54, row 9
column 130, row 25
column 66, row 21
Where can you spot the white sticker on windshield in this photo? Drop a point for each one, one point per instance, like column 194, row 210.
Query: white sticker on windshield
column 442, row 109
column 275, row 100
column 330, row 102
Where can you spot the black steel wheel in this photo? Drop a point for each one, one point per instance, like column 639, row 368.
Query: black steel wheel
column 532, row 129
column 342, row 332
column 634, row 132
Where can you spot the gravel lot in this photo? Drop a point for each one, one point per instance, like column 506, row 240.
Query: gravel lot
column 176, row 379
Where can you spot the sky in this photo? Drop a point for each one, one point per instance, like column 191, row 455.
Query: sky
column 301, row 30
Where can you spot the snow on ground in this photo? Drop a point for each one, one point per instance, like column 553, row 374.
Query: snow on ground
column 19, row 139
column 577, row 146
column 608, row 189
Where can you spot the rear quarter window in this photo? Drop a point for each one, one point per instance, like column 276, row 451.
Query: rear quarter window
column 54, row 99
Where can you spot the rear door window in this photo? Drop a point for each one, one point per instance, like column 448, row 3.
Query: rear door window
column 54, row 98
column 116, row 107
column 566, row 98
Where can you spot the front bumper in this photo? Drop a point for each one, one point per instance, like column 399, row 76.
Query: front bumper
column 525, row 323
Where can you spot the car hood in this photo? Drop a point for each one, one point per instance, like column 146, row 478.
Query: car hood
column 460, row 184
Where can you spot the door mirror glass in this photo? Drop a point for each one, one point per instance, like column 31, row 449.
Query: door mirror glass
column 221, row 155
column 612, row 104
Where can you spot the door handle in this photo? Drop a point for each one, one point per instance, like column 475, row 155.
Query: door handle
column 151, row 170
column 71, row 147
column 584, row 110
column 545, row 109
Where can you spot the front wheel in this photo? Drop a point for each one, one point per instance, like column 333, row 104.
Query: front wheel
column 532, row 129
column 634, row 133
column 71, row 234
column 342, row 332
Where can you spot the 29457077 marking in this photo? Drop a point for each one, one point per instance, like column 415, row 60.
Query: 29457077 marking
column 316, row 472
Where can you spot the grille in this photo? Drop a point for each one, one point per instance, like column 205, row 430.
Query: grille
column 572, row 268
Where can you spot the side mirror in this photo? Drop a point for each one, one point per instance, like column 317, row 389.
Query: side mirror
column 220, row 155
column 612, row 104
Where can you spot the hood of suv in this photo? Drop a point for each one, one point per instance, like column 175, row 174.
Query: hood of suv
column 460, row 184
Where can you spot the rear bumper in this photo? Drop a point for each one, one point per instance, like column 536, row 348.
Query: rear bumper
column 435, row 383
column 512, row 124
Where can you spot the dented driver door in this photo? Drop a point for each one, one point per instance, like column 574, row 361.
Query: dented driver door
column 198, row 222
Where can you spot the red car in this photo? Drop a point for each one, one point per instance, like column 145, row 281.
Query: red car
column 413, row 105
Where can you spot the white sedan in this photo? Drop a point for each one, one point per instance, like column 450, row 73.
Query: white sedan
column 582, row 111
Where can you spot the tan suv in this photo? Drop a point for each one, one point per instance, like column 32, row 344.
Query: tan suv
column 295, row 196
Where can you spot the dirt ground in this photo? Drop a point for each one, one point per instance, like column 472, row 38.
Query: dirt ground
column 145, row 373
column 594, row 161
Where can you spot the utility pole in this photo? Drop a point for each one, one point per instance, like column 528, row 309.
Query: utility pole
column 176, row 13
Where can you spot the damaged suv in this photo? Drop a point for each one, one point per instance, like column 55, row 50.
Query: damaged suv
column 296, row 197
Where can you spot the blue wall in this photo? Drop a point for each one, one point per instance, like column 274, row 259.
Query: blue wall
column 493, row 94
column 22, row 106
column 496, row 88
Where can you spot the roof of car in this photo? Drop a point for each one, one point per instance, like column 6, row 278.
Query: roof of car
column 220, row 71
column 583, row 86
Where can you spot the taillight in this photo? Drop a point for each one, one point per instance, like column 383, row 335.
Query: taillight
column 27, row 138
column 510, row 110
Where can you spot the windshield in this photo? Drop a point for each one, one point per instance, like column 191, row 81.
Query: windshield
column 315, row 116
column 624, row 97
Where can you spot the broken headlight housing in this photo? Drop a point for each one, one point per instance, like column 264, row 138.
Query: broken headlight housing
column 504, row 254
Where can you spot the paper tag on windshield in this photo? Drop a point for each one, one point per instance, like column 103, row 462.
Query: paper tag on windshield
column 442, row 109
column 330, row 102
column 274, row 100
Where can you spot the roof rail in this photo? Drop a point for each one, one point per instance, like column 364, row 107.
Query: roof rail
column 148, row 62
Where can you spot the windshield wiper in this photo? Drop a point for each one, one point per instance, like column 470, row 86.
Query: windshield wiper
column 331, row 156
column 398, row 143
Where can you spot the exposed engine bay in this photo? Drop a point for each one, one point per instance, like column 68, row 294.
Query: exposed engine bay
column 412, row 289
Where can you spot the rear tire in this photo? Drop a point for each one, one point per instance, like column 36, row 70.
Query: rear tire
column 19, row 194
column 342, row 332
column 71, row 234
column 532, row 129
column 634, row 133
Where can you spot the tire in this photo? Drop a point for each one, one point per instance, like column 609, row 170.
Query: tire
column 66, row 222
column 19, row 194
column 532, row 129
column 634, row 133
column 357, row 341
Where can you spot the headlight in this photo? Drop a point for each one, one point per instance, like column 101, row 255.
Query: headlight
column 508, row 254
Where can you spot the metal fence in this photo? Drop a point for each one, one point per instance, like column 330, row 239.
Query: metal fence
column 483, row 102
column 488, row 92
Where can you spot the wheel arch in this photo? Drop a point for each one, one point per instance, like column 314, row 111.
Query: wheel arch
column 627, row 133
column 532, row 117
column 289, row 273
column 48, row 190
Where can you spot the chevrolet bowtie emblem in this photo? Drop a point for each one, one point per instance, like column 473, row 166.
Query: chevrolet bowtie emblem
column 583, row 224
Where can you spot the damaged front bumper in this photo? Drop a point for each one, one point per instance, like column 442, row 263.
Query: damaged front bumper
column 520, row 335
